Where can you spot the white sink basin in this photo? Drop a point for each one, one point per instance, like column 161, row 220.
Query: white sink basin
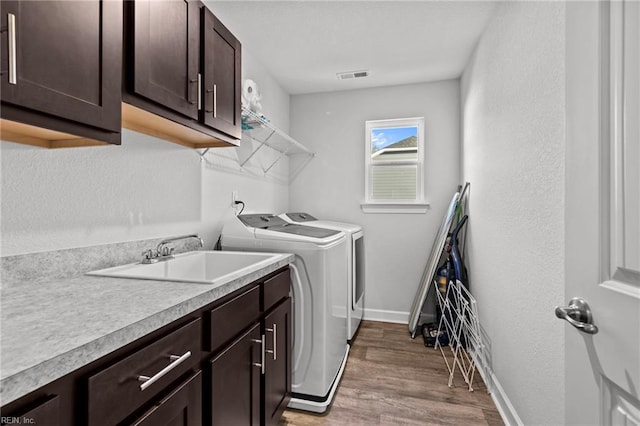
column 204, row 267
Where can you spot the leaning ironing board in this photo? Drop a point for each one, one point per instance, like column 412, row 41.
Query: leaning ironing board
column 434, row 260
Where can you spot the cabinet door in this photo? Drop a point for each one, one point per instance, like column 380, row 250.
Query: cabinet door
column 235, row 381
column 67, row 60
column 165, row 53
column 278, row 364
column 222, row 85
column 182, row 407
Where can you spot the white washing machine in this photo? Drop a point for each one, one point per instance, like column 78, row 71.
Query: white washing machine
column 318, row 275
column 355, row 256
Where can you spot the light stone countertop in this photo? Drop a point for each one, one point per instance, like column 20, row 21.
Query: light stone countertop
column 49, row 329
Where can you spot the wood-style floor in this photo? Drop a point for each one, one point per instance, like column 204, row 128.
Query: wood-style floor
column 391, row 379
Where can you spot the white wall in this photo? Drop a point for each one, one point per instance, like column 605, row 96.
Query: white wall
column 145, row 188
column 513, row 103
column 332, row 184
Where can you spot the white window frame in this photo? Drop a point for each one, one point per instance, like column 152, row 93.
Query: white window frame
column 414, row 205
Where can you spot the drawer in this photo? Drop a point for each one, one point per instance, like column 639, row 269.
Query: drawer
column 230, row 318
column 45, row 413
column 115, row 392
column 276, row 289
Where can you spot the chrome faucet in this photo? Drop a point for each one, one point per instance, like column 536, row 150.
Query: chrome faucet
column 166, row 251
column 162, row 252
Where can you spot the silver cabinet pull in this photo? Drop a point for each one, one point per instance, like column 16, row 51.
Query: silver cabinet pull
column 274, row 330
column 578, row 314
column 175, row 361
column 260, row 364
column 215, row 101
column 199, row 91
column 212, row 90
column 189, row 90
column 13, row 68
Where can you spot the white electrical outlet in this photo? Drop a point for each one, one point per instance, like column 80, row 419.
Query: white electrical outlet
column 234, row 197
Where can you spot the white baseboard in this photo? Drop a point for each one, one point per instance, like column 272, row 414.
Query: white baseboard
column 500, row 399
column 382, row 315
column 396, row 317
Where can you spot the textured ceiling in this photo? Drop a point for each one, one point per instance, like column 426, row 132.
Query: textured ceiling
column 305, row 43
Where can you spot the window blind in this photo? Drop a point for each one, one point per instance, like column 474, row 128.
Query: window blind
column 394, row 182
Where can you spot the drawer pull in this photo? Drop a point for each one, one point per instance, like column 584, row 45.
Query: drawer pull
column 175, row 361
column 13, row 69
column 260, row 364
column 215, row 101
column 199, row 91
column 274, row 330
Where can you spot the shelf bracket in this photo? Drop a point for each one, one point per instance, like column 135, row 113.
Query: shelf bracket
column 261, row 144
column 203, row 153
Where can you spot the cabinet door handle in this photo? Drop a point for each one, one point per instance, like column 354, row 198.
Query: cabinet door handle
column 215, row 101
column 199, row 91
column 260, row 364
column 274, row 330
column 175, row 361
column 13, row 68
column 190, row 91
column 214, row 90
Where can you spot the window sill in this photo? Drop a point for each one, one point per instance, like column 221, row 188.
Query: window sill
column 403, row 208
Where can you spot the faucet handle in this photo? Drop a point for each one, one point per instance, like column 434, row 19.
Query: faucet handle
column 149, row 256
column 166, row 251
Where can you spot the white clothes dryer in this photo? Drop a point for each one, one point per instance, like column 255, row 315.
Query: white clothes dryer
column 356, row 262
column 318, row 274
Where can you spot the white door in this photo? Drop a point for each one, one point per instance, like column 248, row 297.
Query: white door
column 602, row 383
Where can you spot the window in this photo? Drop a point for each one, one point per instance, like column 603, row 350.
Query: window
column 394, row 162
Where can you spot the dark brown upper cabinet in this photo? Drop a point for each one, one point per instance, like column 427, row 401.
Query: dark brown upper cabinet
column 221, row 74
column 61, row 72
column 182, row 74
column 165, row 55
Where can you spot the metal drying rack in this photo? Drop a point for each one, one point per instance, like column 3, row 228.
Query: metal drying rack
column 459, row 319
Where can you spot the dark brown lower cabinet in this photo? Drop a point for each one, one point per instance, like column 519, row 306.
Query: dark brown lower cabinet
column 277, row 376
column 225, row 364
column 251, row 375
column 251, row 378
column 235, row 381
column 182, row 407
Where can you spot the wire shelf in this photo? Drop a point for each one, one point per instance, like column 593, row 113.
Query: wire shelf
column 261, row 132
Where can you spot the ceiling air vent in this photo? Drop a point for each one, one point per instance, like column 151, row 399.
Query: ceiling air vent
column 352, row 74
